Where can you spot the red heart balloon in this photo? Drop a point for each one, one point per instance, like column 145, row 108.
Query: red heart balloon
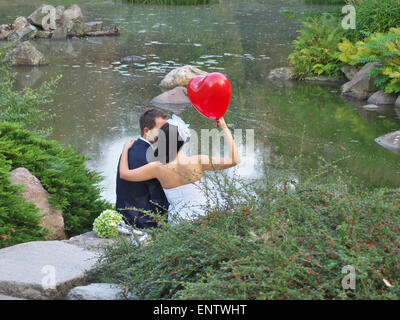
column 210, row 94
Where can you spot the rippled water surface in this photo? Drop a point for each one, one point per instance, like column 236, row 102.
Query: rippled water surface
column 99, row 99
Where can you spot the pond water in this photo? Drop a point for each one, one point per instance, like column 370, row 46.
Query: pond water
column 99, row 100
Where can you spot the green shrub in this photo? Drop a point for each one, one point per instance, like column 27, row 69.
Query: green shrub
column 375, row 16
column 315, row 50
column 19, row 220
column 62, row 172
column 383, row 48
column 269, row 240
column 22, row 105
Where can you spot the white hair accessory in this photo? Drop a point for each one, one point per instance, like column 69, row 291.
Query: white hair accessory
column 183, row 128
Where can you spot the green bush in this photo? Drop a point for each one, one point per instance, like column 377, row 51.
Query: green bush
column 375, row 16
column 383, row 48
column 271, row 239
column 19, row 220
column 22, row 106
column 315, row 49
column 62, row 172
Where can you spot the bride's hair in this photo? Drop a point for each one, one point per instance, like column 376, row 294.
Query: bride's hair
column 169, row 143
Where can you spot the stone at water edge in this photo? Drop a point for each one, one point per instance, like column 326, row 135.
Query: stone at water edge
column 33, row 191
column 37, row 17
column 71, row 15
column 26, row 54
column 181, row 76
column 99, row 291
column 281, row 74
column 362, row 86
column 25, row 267
column 381, row 97
column 371, row 107
column 21, row 30
column 349, row 71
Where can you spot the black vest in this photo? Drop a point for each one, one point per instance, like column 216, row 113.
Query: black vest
column 145, row 195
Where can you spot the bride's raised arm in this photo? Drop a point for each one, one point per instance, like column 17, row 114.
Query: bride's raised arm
column 146, row 172
column 216, row 163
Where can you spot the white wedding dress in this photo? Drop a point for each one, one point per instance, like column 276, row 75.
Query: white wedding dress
column 186, row 202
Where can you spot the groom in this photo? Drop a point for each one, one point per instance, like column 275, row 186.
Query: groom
column 147, row 195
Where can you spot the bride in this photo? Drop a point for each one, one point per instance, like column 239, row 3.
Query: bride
column 179, row 174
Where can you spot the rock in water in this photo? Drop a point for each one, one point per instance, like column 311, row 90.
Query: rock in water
column 34, row 192
column 362, row 86
column 43, row 269
column 22, row 30
column 41, row 17
column 381, row 97
column 390, row 141
column 181, row 76
column 132, row 59
column 175, row 100
column 26, row 54
column 72, row 15
column 98, row 291
column 282, row 74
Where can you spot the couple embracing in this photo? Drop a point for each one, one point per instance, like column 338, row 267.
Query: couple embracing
column 154, row 174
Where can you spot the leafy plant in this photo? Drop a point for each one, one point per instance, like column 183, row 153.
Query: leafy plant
column 383, row 48
column 105, row 225
column 374, row 16
column 269, row 239
column 315, row 50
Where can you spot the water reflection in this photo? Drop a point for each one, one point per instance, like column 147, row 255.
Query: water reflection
column 99, row 99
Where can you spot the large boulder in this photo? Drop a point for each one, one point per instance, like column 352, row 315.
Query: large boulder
column 381, row 97
column 362, row 86
column 181, row 76
column 175, row 100
column 72, row 15
column 33, row 191
column 281, row 74
column 26, row 54
column 41, row 17
column 44, row 270
column 349, row 71
column 390, row 141
column 99, row 291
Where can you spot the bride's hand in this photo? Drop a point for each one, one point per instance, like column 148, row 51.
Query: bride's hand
column 129, row 144
column 221, row 124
